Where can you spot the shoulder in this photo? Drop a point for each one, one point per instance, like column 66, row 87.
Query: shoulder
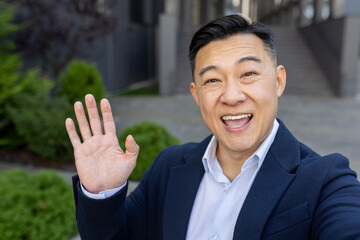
column 177, row 151
column 156, row 177
column 179, row 154
column 329, row 172
column 328, row 175
column 338, row 209
column 337, row 174
column 327, row 166
column 331, row 163
column 295, row 156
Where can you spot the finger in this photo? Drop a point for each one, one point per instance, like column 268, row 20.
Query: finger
column 82, row 121
column 93, row 115
column 71, row 130
column 109, row 124
column 132, row 149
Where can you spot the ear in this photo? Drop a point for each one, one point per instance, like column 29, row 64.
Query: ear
column 193, row 92
column 280, row 80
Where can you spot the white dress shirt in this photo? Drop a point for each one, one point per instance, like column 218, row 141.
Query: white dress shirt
column 218, row 201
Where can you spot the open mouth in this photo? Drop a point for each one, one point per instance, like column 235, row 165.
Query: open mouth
column 237, row 121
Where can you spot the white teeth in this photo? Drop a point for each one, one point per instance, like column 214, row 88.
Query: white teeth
column 227, row 118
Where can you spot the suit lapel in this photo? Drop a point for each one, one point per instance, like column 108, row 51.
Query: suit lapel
column 183, row 184
column 263, row 196
column 273, row 178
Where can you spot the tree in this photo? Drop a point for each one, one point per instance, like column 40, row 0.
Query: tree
column 58, row 31
column 10, row 80
column 6, row 26
column 13, row 82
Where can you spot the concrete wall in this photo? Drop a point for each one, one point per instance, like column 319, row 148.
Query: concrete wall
column 325, row 40
column 336, row 46
column 351, row 7
column 350, row 57
column 167, row 49
column 127, row 56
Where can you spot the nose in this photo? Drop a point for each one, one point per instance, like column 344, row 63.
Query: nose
column 232, row 94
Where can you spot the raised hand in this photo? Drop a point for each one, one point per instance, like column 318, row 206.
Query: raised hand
column 100, row 162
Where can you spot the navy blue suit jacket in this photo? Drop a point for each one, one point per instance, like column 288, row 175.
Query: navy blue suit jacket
column 296, row 194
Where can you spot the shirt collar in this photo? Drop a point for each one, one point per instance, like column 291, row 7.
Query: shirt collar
column 212, row 165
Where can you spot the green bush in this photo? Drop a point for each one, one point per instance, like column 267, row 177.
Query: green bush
column 41, row 125
column 7, row 27
column 28, row 115
column 10, row 63
column 10, row 76
column 36, row 206
column 10, row 85
column 81, row 78
column 38, row 119
column 13, row 86
column 152, row 139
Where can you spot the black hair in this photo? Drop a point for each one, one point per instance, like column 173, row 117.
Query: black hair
column 225, row 27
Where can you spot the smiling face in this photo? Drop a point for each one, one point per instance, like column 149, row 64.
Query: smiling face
column 236, row 86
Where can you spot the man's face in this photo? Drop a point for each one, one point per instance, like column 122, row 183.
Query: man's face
column 236, row 86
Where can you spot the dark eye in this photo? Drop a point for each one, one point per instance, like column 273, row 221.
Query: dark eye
column 211, row 81
column 248, row 74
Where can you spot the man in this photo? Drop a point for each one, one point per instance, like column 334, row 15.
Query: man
column 251, row 179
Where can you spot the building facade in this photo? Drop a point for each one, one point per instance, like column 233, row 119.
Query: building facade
column 153, row 36
column 332, row 31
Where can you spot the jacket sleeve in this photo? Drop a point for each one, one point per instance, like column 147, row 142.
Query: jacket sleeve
column 137, row 216
column 338, row 213
column 116, row 217
column 99, row 219
column 121, row 216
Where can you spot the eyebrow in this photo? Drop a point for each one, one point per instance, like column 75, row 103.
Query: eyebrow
column 208, row 68
column 241, row 60
column 249, row 58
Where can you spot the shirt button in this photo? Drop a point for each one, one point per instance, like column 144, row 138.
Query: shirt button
column 217, row 237
column 227, row 190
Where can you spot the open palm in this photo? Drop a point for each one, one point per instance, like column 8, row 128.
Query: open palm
column 100, row 162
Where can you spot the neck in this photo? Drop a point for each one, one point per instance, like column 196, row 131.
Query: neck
column 231, row 163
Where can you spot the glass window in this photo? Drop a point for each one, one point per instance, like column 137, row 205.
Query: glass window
column 325, row 11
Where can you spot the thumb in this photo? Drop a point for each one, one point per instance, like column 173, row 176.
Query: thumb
column 132, row 149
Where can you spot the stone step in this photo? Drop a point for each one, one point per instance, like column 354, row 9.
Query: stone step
column 304, row 76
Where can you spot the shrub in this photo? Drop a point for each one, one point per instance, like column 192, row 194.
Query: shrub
column 28, row 115
column 152, row 139
column 13, row 86
column 35, row 119
column 39, row 119
column 10, row 76
column 36, row 206
column 10, row 85
column 81, row 78
column 41, row 125
column 7, row 27
column 10, row 63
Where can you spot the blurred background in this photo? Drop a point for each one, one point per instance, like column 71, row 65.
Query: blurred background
column 137, row 42
column 134, row 52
